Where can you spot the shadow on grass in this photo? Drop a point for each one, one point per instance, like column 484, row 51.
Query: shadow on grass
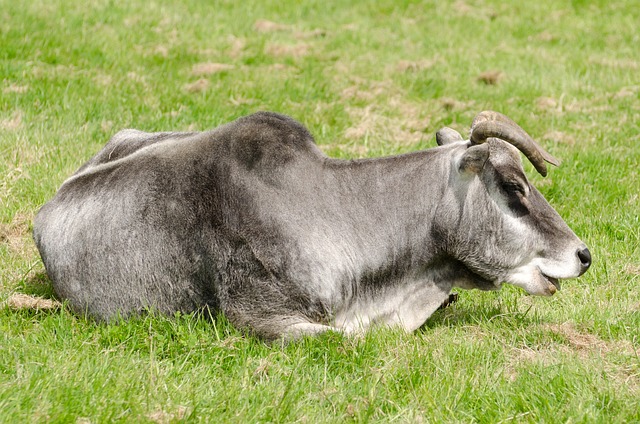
column 462, row 314
column 38, row 284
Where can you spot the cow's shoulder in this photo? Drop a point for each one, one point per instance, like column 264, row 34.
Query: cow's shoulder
column 267, row 140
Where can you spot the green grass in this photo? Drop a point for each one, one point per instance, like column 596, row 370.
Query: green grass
column 368, row 79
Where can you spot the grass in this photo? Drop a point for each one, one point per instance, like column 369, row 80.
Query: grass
column 368, row 79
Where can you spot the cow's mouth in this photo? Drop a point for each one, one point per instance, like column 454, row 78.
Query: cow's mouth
column 554, row 283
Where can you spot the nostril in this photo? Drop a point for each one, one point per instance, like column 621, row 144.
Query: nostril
column 585, row 258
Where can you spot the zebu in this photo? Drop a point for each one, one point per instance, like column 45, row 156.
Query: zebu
column 253, row 220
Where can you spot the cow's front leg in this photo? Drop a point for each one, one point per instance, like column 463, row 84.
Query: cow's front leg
column 298, row 330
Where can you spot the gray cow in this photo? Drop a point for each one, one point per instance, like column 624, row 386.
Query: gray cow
column 253, row 220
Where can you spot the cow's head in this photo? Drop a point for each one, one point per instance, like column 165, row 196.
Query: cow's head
column 494, row 222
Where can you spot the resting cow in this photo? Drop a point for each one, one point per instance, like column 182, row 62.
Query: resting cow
column 253, row 220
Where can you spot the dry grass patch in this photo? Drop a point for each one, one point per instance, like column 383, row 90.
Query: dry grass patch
column 456, row 105
column 236, row 46
column 138, row 79
column 415, row 66
column 560, row 137
column 549, row 104
column 585, row 343
column 315, row 33
column 161, row 50
column 375, row 126
column 197, row 86
column 21, row 301
column 462, row 8
column 585, row 346
column 616, row 63
column 291, row 50
column 264, row 25
column 17, row 235
column 491, row 77
column 577, row 340
column 387, row 118
column 15, row 88
column 13, row 123
column 545, row 36
column 280, row 67
column 209, row 68
column 628, row 91
column 164, row 417
column 633, row 269
column 103, row 80
column 378, row 126
column 367, row 90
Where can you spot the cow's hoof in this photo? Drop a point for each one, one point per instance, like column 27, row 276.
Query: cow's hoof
column 453, row 297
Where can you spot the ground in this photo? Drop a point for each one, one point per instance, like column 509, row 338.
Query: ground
column 368, row 79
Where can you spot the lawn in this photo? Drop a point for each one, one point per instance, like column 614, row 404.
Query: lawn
column 368, row 78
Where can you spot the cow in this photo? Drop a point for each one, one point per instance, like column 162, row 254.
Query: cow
column 253, row 221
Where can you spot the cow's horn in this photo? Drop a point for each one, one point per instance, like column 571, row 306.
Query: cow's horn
column 494, row 124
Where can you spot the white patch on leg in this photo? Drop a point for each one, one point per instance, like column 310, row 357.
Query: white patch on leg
column 406, row 305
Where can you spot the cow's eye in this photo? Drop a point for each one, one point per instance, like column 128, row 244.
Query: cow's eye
column 512, row 187
column 515, row 194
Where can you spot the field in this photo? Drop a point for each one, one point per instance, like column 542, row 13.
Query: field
column 369, row 78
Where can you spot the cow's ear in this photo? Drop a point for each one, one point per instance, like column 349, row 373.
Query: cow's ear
column 447, row 135
column 473, row 159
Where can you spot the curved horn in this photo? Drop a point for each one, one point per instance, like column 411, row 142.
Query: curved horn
column 493, row 124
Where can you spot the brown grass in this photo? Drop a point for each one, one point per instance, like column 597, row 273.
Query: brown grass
column 367, row 90
column 544, row 36
column 577, row 340
column 164, row 417
column 633, row 269
column 455, row 105
column 404, row 129
column 236, row 46
column 549, row 104
column 628, row 91
column 387, row 117
column 15, row 88
column 315, row 33
column 267, row 26
column 17, row 236
column 209, row 68
column 491, row 77
column 264, row 25
column 197, row 86
column 415, row 66
column 21, row 301
column 584, row 345
column 13, row 123
column 161, row 50
column 560, row 137
column 616, row 63
column 291, row 50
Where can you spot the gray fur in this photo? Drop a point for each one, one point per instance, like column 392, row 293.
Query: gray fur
column 253, row 220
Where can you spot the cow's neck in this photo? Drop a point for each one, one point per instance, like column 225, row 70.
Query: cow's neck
column 390, row 203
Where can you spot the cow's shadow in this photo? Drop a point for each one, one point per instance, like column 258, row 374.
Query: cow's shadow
column 38, row 284
column 462, row 314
